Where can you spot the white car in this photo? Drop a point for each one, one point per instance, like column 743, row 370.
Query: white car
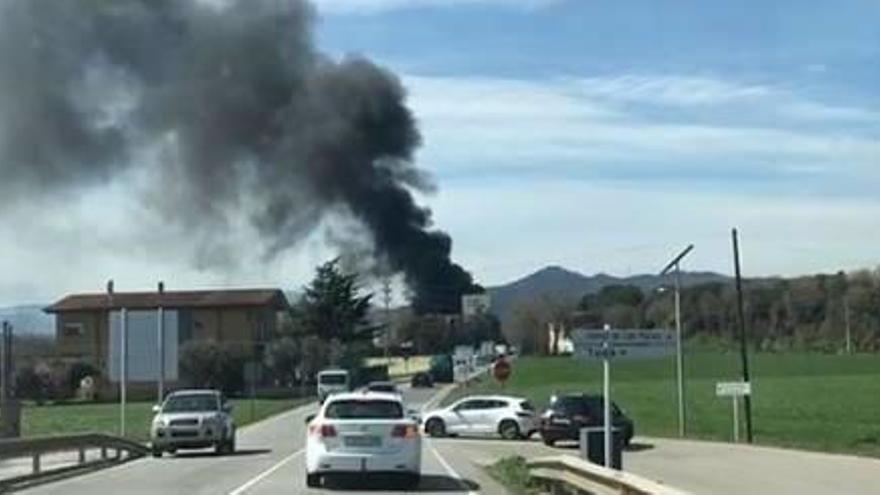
column 509, row 417
column 332, row 382
column 360, row 433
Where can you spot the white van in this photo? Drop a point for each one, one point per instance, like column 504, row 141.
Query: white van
column 332, row 382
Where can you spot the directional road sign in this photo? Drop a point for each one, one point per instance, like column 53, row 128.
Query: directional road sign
column 622, row 343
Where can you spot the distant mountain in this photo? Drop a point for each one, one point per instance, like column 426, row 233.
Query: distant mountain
column 558, row 282
column 29, row 320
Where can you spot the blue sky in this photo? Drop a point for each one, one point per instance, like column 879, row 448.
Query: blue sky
column 602, row 135
column 599, row 135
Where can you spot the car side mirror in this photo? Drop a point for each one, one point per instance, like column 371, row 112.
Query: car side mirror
column 310, row 417
column 157, row 408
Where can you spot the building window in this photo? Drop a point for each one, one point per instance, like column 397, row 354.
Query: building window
column 73, row 330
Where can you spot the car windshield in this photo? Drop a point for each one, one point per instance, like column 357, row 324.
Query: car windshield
column 191, row 403
column 364, row 409
column 332, row 379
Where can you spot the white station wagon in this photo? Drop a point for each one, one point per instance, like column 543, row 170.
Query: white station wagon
column 363, row 433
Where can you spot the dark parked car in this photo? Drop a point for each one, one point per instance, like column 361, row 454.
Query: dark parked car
column 567, row 414
column 422, row 380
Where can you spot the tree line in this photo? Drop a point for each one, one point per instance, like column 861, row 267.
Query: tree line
column 809, row 313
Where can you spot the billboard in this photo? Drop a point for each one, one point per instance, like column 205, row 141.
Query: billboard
column 142, row 357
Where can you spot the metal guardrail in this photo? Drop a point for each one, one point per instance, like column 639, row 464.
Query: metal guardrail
column 112, row 450
column 570, row 475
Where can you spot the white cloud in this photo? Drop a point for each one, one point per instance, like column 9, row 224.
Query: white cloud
column 628, row 229
column 471, row 124
column 374, row 6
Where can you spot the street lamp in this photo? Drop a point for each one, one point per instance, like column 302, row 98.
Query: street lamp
column 675, row 264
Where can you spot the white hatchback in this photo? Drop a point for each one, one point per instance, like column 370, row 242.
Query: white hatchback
column 363, row 433
column 509, row 417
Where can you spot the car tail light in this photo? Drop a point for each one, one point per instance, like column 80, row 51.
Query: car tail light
column 323, row 431
column 404, row 431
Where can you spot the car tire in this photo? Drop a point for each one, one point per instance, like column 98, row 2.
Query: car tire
column 313, row 480
column 435, row 427
column 157, row 452
column 509, row 430
column 172, row 451
column 550, row 442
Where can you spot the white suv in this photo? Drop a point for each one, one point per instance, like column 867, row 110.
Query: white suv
column 193, row 419
column 360, row 433
column 509, row 417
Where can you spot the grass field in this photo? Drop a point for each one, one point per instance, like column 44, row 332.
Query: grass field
column 104, row 418
column 818, row 402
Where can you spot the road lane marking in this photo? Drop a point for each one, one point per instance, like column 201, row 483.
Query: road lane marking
column 451, row 472
column 260, row 477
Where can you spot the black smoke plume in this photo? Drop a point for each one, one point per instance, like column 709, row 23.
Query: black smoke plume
column 240, row 112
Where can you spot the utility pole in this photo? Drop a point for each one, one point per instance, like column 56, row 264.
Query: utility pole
column 742, row 334
column 386, row 293
column 846, row 317
column 675, row 264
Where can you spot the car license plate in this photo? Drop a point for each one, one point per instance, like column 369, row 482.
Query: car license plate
column 363, row 441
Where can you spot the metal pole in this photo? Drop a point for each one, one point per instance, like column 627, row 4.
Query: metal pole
column 123, row 368
column 848, row 332
column 4, row 365
column 735, row 419
column 606, row 391
column 160, row 392
column 386, row 289
column 675, row 264
column 742, row 334
column 679, row 358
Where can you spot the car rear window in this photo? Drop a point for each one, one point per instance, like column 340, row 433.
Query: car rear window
column 333, row 379
column 364, row 409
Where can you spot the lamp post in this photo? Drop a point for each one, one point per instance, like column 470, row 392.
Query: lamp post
column 675, row 265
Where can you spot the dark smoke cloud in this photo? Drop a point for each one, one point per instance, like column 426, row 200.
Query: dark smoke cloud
column 242, row 112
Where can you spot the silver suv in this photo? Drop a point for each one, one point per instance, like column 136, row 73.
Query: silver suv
column 193, row 419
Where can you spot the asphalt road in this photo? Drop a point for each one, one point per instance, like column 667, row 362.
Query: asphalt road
column 270, row 459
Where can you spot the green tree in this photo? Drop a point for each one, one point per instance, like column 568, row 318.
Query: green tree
column 281, row 358
column 331, row 307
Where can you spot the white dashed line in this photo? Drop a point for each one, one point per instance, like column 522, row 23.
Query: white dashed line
column 451, row 472
column 260, row 477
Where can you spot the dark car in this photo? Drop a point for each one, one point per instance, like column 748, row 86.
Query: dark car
column 567, row 414
column 422, row 380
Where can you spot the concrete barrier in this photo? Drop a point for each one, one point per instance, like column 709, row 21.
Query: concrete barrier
column 568, row 475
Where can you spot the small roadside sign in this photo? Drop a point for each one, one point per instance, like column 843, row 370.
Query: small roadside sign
column 622, row 343
column 733, row 389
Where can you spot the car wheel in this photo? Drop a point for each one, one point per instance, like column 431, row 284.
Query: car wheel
column 157, row 452
column 172, row 451
column 313, row 480
column 435, row 427
column 509, row 430
column 549, row 441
